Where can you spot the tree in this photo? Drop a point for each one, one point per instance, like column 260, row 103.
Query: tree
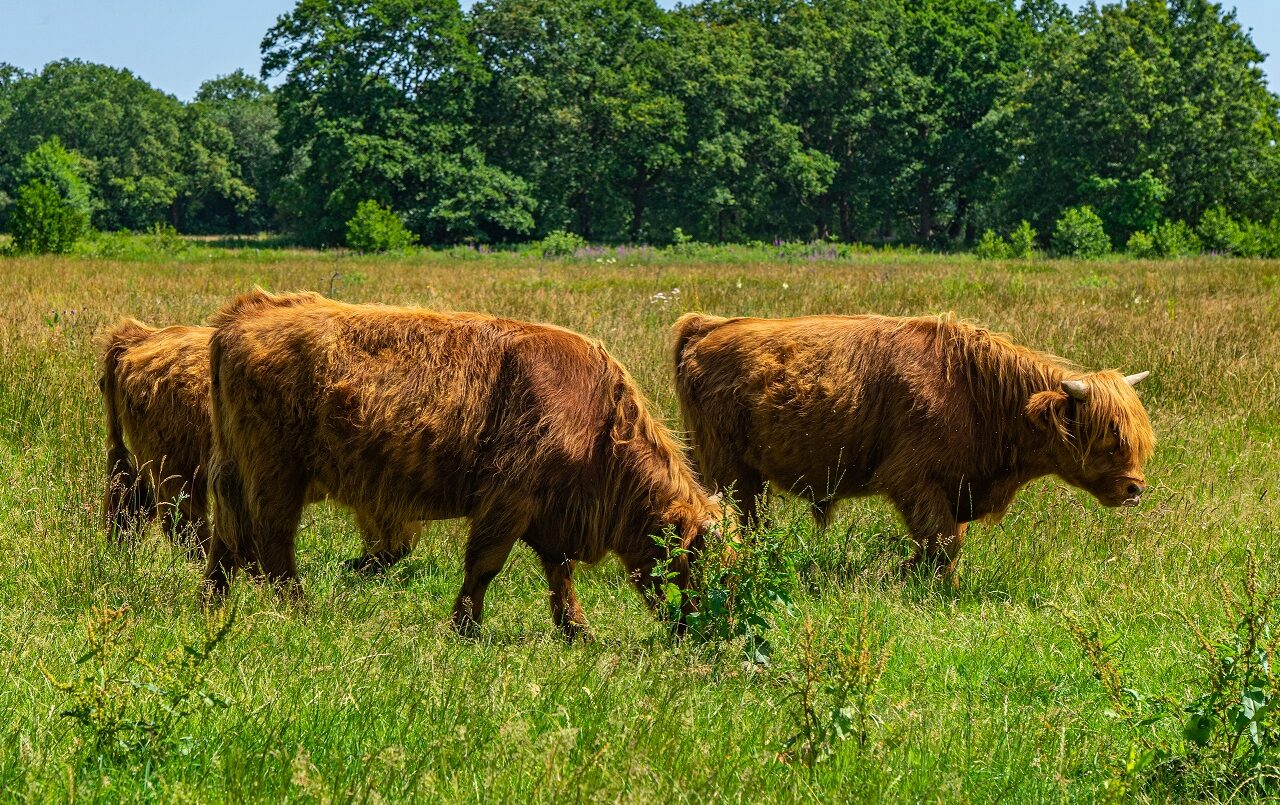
column 1146, row 110
column 43, row 222
column 63, row 170
column 240, row 200
column 579, row 103
column 375, row 104
column 128, row 132
column 964, row 56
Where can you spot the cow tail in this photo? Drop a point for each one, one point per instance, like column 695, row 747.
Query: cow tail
column 689, row 330
column 129, row 499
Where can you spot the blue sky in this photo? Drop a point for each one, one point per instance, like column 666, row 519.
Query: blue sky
column 177, row 45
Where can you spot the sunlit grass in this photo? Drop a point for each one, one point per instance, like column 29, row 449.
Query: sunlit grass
column 362, row 693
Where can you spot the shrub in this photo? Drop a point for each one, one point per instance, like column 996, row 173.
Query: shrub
column 741, row 583
column 1223, row 738
column 1219, row 232
column 1175, row 239
column 1141, row 245
column 1022, row 241
column 835, row 693
column 64, row 170
column 42, row 222
column 992, row 247
column 1080, row 233
column 375, row 228
column 560, row 244
column 124, row 703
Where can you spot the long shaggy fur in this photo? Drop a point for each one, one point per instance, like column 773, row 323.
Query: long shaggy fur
column 154, row 385
column 531, row 431
column 155, row 388
column 947, row 419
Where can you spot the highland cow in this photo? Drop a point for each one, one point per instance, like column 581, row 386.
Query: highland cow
column 532, row 432
column 155, row 388
column 946, row 419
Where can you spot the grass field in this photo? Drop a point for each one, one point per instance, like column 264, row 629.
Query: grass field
column 362, row 693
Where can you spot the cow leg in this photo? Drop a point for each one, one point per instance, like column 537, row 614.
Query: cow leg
column 938, row 535
column 749, row 494
column 566, row 612
column 231, row 532
column 277, row 511
column 489, row 545
column 255, row 525
column 384, row 543
column 183, row 513
column 824, row 513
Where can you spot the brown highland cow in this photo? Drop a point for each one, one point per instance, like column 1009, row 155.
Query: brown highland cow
column 155, row 388
column 531, row 431
column 946, row 419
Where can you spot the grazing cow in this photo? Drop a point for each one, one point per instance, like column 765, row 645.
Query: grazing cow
column 531, row 431
column 155, row 388
column 946, row 419
column 154, row 385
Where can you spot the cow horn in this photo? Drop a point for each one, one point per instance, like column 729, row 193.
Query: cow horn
column 1134, row 380
column 1076, row 389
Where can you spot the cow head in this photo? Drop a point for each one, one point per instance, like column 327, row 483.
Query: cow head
column 1098, row 434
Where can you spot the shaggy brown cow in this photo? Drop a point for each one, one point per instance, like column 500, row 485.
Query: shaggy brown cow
column 155, row 388
column 531, row 431
column 946, row 419
column 154, row 385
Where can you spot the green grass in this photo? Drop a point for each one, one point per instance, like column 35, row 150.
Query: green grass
column 362, row 693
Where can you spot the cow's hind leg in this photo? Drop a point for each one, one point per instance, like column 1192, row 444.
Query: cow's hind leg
column 938, row 535
column 385, row 543
column 277, row 511
column 232, row 529
column 824, row 513
column 566, row 612
column 184, row 512
column 493, row 534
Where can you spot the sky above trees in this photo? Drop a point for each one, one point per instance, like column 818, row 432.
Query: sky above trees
column 176, row 46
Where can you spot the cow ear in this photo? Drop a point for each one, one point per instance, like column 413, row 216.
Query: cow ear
column 1047, row 410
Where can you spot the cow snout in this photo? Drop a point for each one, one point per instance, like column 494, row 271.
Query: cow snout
column 1133, row 493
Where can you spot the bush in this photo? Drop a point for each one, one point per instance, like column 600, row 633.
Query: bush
column 742, row 584
column 1080, row 233
column 992, row 247
column 560, row 244
column 1219, row 737
column 375, row 228
column 126, row 704
column 1258, row 240
column 64, row 170
column 1141, row 245
column 1175, row 239
column 42, row 222
column 1219, row 232
column 1022, row 241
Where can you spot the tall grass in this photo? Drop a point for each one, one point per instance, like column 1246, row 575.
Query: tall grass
column 361, row 692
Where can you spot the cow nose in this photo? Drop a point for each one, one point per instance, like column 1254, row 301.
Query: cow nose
column 1134, row 489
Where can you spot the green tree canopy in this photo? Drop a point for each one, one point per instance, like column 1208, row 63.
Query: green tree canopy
column 129, row 133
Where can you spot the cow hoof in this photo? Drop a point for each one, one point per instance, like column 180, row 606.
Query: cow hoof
column 365, row 565
column 577, row 633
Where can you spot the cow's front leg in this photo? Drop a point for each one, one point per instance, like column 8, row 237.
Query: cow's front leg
column 937, row 534
column 385, row 544
column 492, row 537
column 566, row 612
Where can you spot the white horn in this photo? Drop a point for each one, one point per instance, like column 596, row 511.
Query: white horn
column 1076, row 389
column 1134, row 380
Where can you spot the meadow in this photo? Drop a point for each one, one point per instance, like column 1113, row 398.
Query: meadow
column 878, row 688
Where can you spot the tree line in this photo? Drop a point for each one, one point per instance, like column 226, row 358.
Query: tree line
column 925, row 121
